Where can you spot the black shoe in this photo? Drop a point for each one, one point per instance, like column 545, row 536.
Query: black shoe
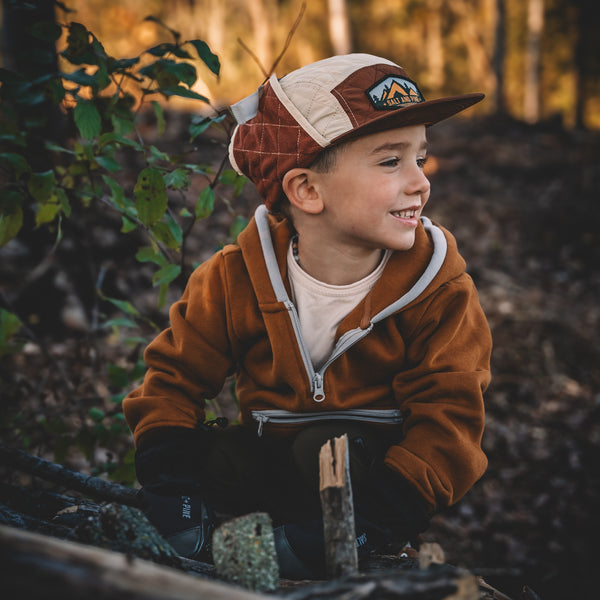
column 186, row 522
column 300, row 548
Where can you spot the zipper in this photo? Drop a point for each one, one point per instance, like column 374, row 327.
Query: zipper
column 354, row 335
column 316, row 377
column 390, row 416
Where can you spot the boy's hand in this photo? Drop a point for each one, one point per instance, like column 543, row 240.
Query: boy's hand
column 170, row 457
column 389, row 500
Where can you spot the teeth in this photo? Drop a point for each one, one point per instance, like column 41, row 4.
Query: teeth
column 404, row 214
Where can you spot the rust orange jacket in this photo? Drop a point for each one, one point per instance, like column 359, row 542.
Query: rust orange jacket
column 413, row 354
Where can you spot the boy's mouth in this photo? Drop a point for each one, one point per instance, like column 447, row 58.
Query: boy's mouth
column 405, row 214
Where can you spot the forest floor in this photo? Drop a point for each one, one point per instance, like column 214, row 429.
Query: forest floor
column 523, row 204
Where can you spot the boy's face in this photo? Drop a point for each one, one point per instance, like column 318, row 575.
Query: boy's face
column 374, row 195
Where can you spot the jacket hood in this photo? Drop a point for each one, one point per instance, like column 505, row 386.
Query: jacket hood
column 432, row 261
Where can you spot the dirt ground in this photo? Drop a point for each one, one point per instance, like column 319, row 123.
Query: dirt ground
column 523, row 204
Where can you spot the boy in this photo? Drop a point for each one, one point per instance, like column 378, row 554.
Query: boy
column 341, row 310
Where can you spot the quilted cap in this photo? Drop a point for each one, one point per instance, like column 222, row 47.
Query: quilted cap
column 287, row 122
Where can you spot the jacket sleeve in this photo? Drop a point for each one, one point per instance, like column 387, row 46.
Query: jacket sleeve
column 189, row 361
column 441, row 391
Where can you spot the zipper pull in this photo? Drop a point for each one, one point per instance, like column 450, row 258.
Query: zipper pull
column 318, row 391
column 261, row 422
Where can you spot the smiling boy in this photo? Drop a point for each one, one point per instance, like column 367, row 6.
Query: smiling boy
column 341, row 309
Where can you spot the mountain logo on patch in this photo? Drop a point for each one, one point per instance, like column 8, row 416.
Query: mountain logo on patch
column 393, row 92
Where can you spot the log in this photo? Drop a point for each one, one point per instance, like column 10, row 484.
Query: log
column 36, row 567
column 341, row 557
column 97, row 488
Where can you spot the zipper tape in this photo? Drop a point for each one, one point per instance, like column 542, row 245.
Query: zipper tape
column 286, row 417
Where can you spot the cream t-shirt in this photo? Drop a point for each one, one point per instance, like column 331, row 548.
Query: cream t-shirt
column 322, row 307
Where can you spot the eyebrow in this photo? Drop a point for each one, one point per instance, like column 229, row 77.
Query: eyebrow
column 396, row 146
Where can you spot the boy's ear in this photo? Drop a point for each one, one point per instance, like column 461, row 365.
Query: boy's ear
column 300, row 189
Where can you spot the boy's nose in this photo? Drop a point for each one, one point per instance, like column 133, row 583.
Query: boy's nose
column 417, row 182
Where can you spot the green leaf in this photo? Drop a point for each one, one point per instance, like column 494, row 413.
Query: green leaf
column 177, row 179
column 178, row 90
column 165, row 48
column 108, row 163
column 87, row 119
column 206, row 203
column 157, row 155
column 117, row 194
column 40, row 185
column 122, row 64
column 15, row 162
column 150, row 196
column 63, row 200
column 175, row 230
column 56, row 148
column 10, row 225
column 238, row 225
column 117, row 376
column 123, row 305
column 200, row 125
column 122, row 322
column 228, row 177
column 164, row 233
column 78, row 45
column 162, row 295
column 168, row 72
column 122, row 124
column 204, row 53
column 160, row 117
column 9, row 326
column 128, row 225
column 96, row 414
column 112, row 137
column 46, row 213
column 149, row 254
column 166, row 274
column 80, row 77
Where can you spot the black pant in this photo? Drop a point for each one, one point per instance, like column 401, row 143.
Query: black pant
column 245, row 473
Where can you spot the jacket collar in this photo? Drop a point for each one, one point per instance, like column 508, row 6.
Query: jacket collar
column 432, row 260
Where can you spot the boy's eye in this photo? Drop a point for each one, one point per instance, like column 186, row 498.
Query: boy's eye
column 390, row 162
column 421, row 161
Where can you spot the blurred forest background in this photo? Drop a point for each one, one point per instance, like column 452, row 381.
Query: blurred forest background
column 86, row 276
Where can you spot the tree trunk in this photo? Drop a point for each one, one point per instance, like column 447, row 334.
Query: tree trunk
column 498, row 55
column 533, row 61
column 261, row 27
column 339, row 27
column 481, row 70
column 31, row 57
column 435, row 46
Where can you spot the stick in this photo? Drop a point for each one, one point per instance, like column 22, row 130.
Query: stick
column 338, row 510
column 95, row 487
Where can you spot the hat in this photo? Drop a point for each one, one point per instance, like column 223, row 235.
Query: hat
column 287, row 122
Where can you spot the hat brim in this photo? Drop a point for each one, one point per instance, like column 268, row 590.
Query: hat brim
column 425, row 113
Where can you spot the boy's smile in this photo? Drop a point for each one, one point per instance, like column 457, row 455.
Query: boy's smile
column 373, row 197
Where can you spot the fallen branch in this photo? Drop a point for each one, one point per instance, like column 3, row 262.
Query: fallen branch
column 34, row 565
column 97, row 488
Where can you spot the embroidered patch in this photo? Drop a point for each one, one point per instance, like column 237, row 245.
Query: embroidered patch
column 393, row 92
